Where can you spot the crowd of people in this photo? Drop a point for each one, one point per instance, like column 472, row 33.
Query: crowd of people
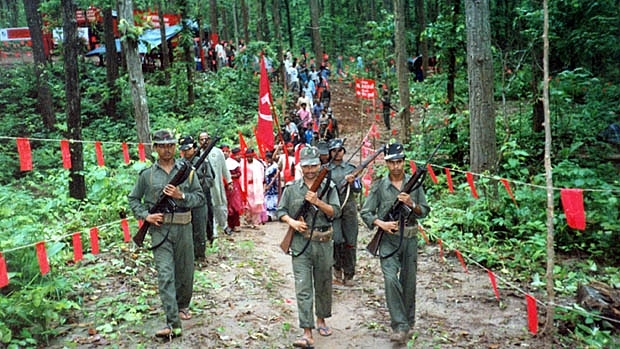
column 234, row 188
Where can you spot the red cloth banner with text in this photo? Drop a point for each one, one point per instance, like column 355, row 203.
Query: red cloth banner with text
column 77, row 247
column 4, row 275
column 365, row 88
column 25, row 155
column 42, row 258
column 264, row 128
column 470, row 180
column 141, row 152
column 94, row 240
column 125, row 153
column 572, row 201
column 99, row 153
column 66, row 153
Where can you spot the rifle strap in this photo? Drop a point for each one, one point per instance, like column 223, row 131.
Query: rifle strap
column 316, row 212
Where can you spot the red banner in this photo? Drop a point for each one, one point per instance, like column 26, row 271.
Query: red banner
column 25, row 155
column 365, row 88
column 572, row 201
column 532, row 314
column 126, row 153
column 141, row 153
column 470, row 180
column 42, row 258
column 431, row 173
column 66, row 153
column 126, row 234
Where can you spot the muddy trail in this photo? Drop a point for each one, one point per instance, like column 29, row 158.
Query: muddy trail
column 244, row 294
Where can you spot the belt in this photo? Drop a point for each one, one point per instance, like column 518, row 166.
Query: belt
column 182, row 209
column 410, row 232
column 178, row 218
column 321, row 234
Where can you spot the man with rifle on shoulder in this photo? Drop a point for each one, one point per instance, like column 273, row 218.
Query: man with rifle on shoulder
column 308, row 206
column 171, row 232
column 398, row 246
column 345, row 226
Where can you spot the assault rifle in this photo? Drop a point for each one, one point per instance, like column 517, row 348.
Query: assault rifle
column 285, row 245
column 166, row 204
column 398, row 210
column 342, row 186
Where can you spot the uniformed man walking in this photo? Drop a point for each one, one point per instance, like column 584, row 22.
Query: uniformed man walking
column 345, row 227
column 312, row 248
column 399, row 270
column 171, row 233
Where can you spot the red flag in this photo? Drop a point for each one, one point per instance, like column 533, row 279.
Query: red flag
column 264, row 128
column 126, row 153
column 66, row 153
column 261, row 149
column 493, row 283
column 507, row 186
column 141, row 153
column 42, row 257
column 449, row 179
column 242, row 145
column 532, row 314
column 99, row 153
column 470, row 180
column 125, row 227
column 572, row 201
column 423, row 234
column 94, row 240
column 25, row 155
column 460, row 257
column 431, row 173
column 77, row 247
column 413, row 166
column 4, row 275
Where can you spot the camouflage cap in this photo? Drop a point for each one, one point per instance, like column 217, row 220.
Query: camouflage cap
column 186, row 142
column 323, row 147
column 394, row 151
column 309, row 156
column 163, row 137
column 336, row 143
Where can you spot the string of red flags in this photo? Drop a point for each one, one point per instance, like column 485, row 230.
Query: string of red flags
column 532, row 314
column 76, row 242
column 572, row 201
column 493, row 283
column 432, row 173
column 507, row 186
column 449, row 179
column 460, row 257
column 24, row 151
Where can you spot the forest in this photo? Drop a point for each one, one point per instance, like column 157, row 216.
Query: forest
column 525, row 114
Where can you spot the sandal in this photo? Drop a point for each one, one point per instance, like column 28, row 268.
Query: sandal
column 325, row 331
column 304, row 342
column 184, row 314
column 168, row 332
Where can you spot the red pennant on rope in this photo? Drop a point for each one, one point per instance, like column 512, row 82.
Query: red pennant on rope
column 141, row 152
column 77, row 247
column 460, row 257
column 493, row 283
column 125, row 227
column 140, row 222
column 431, row 173
column 42, row 257
column 423, row 234
column 470, row 180
column 449, row 179
column 507, row 186
column 125, row 153
column 25, row 155
column 413, row 166
column 94, row 240
column 572, row 201
column 440, row 248
column 99, row 153
column 4, row 275
column 66, row 153
column 532, row 314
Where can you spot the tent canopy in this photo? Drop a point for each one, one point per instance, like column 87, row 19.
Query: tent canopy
column 148, row 40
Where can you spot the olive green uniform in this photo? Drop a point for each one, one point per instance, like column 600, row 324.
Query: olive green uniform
column 399, row 270
column 345, row 226
column 174, row 258
column 200, row 214
column 314, row 266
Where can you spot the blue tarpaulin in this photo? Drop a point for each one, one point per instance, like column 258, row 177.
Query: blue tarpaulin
column 149, row 40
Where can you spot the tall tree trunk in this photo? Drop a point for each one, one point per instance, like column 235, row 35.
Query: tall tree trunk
column 421, row 18
column 44, row 94
column 111, row 63
column 400, row 46
column 187, row 41
column 245, row 21
column 260, row 15
column 550, row 330
column 164, row 49
column 455, row 9
column 235, row 23
column 71, row 44
column 315, row 30
column 136, row 78
column 289, row 27
column 213, row 18
column 278, row 36
column 482, row 138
